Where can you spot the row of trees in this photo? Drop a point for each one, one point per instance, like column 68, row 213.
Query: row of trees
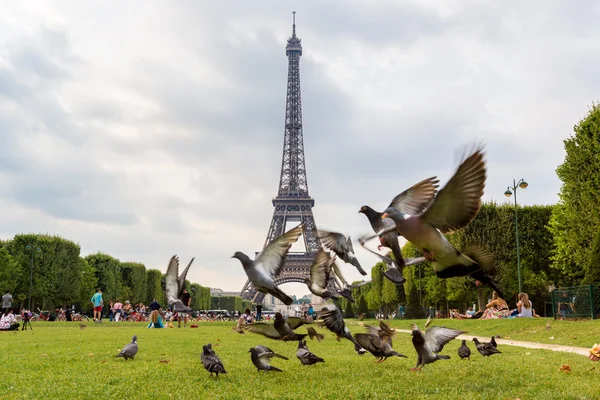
column 60, row 276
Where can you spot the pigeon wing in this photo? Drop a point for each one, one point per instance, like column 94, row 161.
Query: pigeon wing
column 182, row 278
column 262, row 328
column 296, row 322
column 320, row 270
column 171, row 283
column 337, row 242
column 333, row 320
column 369, row 342
column 272, row 257
column 457, row 204
column 437, row 337
column 416, row 198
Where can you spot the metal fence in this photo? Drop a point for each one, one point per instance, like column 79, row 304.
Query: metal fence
column 576, row 302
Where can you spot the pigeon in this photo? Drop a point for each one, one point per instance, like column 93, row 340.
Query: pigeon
column 390, row 239
column 341, row 246
column 211, row 361
column 175, row 284
column 312, row 333
column 493, row 342
column 485, row 349
column 429, row 345
column 378, row 341
column 261, row 355
column 464, row 351
column 454, row 207
column 280, row 329
column 268, row 264
column 320, row 272
column 130, row 349
column 305, row 356
column 342, row 283
column 334, row 321
column 82, row 326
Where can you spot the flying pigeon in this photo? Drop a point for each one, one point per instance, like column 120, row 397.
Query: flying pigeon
column 429, row 345
column 345, row 288
column 305, row 356
column 378, row 341
column 268, row 264
column 130, row 350
column 211, row 361
column 320, row 272
column 280, row 329
column 261, row 355
column 485, row 349
column 175, row 284
column 341, row 246
column 427, row 191
column 464, row 351
column 334, row 321
column 312, row 333
column 453, row 208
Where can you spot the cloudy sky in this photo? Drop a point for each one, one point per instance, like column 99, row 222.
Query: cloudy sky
column 147, row 129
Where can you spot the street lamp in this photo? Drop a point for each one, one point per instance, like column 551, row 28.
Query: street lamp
column 30, row 248
column 509, row 191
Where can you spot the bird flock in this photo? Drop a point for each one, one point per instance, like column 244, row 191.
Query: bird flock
column 421, row 215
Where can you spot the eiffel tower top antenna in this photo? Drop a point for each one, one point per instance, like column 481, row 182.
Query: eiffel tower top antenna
column 294, row 24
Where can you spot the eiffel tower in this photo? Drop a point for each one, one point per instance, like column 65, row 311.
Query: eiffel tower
column 293, row 203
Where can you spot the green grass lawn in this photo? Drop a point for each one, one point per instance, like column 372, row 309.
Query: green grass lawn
column 58, row 360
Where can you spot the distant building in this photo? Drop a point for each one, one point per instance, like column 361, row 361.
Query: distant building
column 216, row 292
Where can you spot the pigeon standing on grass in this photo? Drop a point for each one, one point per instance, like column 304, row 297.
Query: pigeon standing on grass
column 341, row 246
column 130, row 350
column 261, row 355
column 485, row 349
column 211, row 361
column 464, row 351
column 267, row 265
column 334, row 321
column 429, row 345
column 280, row 329
column 175, row 283
column 305, row 356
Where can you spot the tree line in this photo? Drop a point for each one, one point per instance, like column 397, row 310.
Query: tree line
column 61, row 277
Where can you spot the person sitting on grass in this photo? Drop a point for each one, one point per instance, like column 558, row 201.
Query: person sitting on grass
column 7, row 322
column 595, row 353
column 497, row 308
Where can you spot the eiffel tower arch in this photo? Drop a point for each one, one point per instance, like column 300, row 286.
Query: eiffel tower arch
column 293, row 202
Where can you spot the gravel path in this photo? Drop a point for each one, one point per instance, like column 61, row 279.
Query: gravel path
column 530, row 345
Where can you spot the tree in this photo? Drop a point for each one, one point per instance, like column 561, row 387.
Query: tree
column 592, row 273
column 8, row 271
column 154, row 289
column 108, row 273
column 575, row 222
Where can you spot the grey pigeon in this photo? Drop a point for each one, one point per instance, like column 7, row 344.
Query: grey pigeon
column 426, row 192
column 175, row 283
column 429, row 345
column 454, row 207
column 334, row 321
column 211, row 361
column 261, row 357
column 268, row 263
column 345, row 288
column 305, row 356
column 312, row 333
column 280, row 329
column 378, row 341
column 320, row 272
column 341, row 246
column 130, row 350
column 485, row 349
column 464, row 351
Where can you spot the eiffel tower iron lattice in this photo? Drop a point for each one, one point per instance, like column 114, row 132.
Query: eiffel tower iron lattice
column 293, row 203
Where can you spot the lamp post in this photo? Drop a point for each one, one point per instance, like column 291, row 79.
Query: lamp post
column 509, row 191
column 30, row 248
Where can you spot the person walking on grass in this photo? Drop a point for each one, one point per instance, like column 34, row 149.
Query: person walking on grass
column 98, row 303
column 6, row 302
